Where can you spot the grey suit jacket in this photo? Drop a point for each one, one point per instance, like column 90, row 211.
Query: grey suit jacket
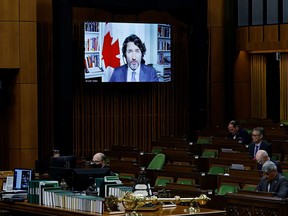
column 279, row 186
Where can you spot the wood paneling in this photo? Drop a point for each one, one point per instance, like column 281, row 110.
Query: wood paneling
column 27, row 10
column 283, row 44
column 28, row 53
column 256, row 37
column 217, row 65
column 28, row 116
column 9, row 10
column 216, row 13
column 271, row 37
column 242, row 38
column 9, row 45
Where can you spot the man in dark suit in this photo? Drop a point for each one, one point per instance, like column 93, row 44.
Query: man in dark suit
column 258, row 142
column 262, row 156
column 272, row 181
column 134, row 70
column 238, row 133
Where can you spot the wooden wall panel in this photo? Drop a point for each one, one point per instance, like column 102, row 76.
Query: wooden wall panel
column 217, row 104
column 283, row 44
column 271, row 37
column 28, row 52
column 27, row 10
column 242, row 101
column 28, row 116
column 217, row 65
column 22, row 158
column 9, row 45
column 9, row 10
column 256, row 36
column 216, row 13
column 242, row 38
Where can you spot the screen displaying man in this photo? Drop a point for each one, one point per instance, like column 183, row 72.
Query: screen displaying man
column 134, row 70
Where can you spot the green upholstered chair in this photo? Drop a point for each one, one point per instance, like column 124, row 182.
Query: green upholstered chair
column 185, row 181
column 209, row 153
column 204, row 139
column 161, row 181
column 217, row 170
column 157, row 162
column 227, row 188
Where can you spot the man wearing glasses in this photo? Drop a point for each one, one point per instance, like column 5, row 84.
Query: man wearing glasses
column 272, row 181
column 258, row 142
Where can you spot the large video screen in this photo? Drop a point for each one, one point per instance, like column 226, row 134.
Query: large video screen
column 127, row 52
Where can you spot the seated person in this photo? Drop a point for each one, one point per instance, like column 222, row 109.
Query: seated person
column 272, row 181
column 262, row 156
column 258, row 143
column 236, row 132
column 99, row 161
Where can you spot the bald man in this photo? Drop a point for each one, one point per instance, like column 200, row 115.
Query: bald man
column 262, row 156
column 99, row 160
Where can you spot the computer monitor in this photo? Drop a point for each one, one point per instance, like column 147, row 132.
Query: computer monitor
column 60, row 174
column 68, row 161
column 83, row 178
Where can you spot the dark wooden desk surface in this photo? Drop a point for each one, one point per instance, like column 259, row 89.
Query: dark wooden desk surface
column 35, row 209
column 255, row 204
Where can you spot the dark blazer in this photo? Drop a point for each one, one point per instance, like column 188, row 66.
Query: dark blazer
column 147, row 74
column 242, row 136
column 264, row 146
column 279, row 186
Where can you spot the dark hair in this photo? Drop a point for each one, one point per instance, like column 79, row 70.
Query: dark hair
column 260, row 130
column 137, row 41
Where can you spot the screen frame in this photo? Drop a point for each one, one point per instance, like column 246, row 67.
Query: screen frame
column 148, row 32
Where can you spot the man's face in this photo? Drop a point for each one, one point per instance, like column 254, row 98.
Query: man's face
column 232, row 129
column 133, row 55
column 256, row 137
column 270, row 175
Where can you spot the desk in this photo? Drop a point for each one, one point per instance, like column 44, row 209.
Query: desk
column 247, row 204
column 35, row 209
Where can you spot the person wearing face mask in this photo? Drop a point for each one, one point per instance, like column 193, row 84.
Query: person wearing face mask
column 134, row 70
column 272, row 181
column 99, row 161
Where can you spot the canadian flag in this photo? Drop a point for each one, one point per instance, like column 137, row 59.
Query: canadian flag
column 110, row 50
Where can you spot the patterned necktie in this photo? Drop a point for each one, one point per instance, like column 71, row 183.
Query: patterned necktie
column 133, row 77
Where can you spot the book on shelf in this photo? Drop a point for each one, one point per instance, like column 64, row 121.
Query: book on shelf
column 35, row 189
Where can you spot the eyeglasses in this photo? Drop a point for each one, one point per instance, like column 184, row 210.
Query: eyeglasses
column 255, row 135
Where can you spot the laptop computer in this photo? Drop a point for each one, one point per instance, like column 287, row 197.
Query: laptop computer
column 20, row 184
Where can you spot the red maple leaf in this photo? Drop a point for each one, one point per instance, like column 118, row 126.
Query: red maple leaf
column 110, row 52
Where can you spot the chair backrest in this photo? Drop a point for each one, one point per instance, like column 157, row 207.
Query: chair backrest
column 157, row 162
column 226, row 188
column 209, row 153
column 185, row 181
column 162, row 180
column 216, row 170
